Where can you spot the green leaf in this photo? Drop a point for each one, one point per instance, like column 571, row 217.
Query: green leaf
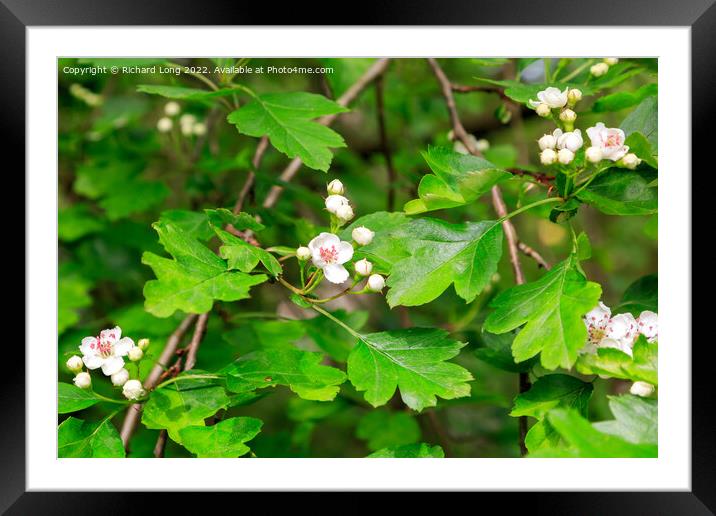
column 498, row 353
column 71, row 398
column 645, row 120
column 384, row 429
column 241, row 221
column 587, row 441
column 637, row 419
column 72, row 295
column 624, row 99
column 641, row 295
column 184, row 93
column 194, row 224
column 77, row 221
column 551, row 309
column 613, row 363
column 78, row 438
column 623, row 192
column 225, row 439
column 639, row 145
column 173, row 409
column 412, row 360
column 457, row 179
column 245, row 257
column 300, row 370
column 440, row 254
column 382, row 251
column 523, row 93
column 409, row 451
column 194, row 279
column 286, row 118
column 550, row 391
column 330, row 337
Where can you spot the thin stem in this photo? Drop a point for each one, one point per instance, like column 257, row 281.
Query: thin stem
column 548, row 200
column 110, row 400
column 337, row 321
column 577, row 70
column 189, row 377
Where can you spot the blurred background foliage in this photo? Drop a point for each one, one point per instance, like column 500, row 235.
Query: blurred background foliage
column 118, row 174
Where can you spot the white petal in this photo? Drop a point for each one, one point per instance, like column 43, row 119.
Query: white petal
column 86, row 348
column 323, row 240
column 345, row 252
column 112, row 365
column 93, row 361
column 335, row 273
column 112, row 335
column 122, row 347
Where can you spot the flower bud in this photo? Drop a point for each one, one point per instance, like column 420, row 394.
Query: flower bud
column 199, row 129
column 574, row 96
column 641, row 389
column 599, row 69
column 547, row 142
column 335, row 201
column 335, row 187
column 74, row 364
column 133, row 389
column 376, row 282
column 630, row 161
column 363, row 267
column 303, row 253
column 362, row 235
column 143, row 344
column 593, row 154
column 345, row 212
column 565, row 156
column 171, row 108
column 543, row 110
column 482, row 145
column 120, row 377
column 135, row 354
column 83, row 380
column 548, row 156
column 611, row 61
column 567, row 115
column 164, row 125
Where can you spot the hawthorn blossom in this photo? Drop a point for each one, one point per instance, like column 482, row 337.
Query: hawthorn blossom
column 106, row 350
column 596, row 321
column 329, row 253
column 335, row 187
column 571, row 140
column 648, row 325
column 133, row 389
column 172, row 108
column 642, row 389
column 74, row 364
column 609, row 140
column 120, row 377
column 376, row 282
column 303, row 253
column 553, row 97
column 621, row 333
column 83, row 380
column 335, row 201
column 362, row 235
column 599, row 69
column 363, row 267
column 549, row 141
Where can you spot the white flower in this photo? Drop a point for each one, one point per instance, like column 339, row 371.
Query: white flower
column 630, row 161
column 333, row 202
column 548, row 156
column 552, row 97
column 187, row 122
column 120, row 377
column 621, row 332
column 74, row 364
column 133, row 389
column 567, row 115
column 143, row 344
column 135, row 354
column 574, row 96
column 641, row 389
column 648, row 325
column 345, row 212
column 303, row 253
column 106, row 351
column 329, row 253
column 376, row 282
column 611, row 60
column 363, row 267
column 164, row 125
column 83, row 380
column 543, row 110
column 609, row 140
column 593, row 154
column 199, row 129
column 362, row 235
column 599, row 69
column 565, row 156
column 549, row 141
column 572, row 141
column 335, row 187
column 172, row 108
column 596, row 322
column 482, row 145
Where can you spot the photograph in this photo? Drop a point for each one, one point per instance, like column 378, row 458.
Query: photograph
column 349, row 257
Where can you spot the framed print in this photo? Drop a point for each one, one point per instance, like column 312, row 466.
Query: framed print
column 398, row 257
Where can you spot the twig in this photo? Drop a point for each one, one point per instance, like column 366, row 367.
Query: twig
column 539, row 177
column 384, row 146
column 251, row 177
column 134, row 411
column 349, row 96
column 459, row 88
column 528, row 251
column 193, row 348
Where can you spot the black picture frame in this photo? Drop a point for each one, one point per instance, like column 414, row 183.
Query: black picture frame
column 699, row 15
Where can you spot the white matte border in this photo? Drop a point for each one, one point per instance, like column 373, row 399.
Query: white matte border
column 672, row 470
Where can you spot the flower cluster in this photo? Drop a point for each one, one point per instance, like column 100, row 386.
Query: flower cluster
column 188, row 123
column 328, row 253
column 619, row 331
column 600, row 69
column 106, row 351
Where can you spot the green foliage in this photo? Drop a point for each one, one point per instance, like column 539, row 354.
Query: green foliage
column 498, row 353
column 383, row 429
column 73, row 293
column 78, row 438
column 614, row 363
column 409, row 451
column 183, row 93
column 224, row 439
column 77, row 221
column 286, row 118
column 71, row 398
column 641, row 295
column 243, row 256
column 636, row 420
column 412, row 360
column 621, row 192
column 552, row 391
column 551, row 309
column 623, row 99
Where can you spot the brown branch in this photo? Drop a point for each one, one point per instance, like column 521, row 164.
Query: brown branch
column 528, row 251
column 539, row 177
column 131, row 419
column 459, row 88
column 251, row 177
column 384, row 146
column 375, row 71
column 193, row 348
